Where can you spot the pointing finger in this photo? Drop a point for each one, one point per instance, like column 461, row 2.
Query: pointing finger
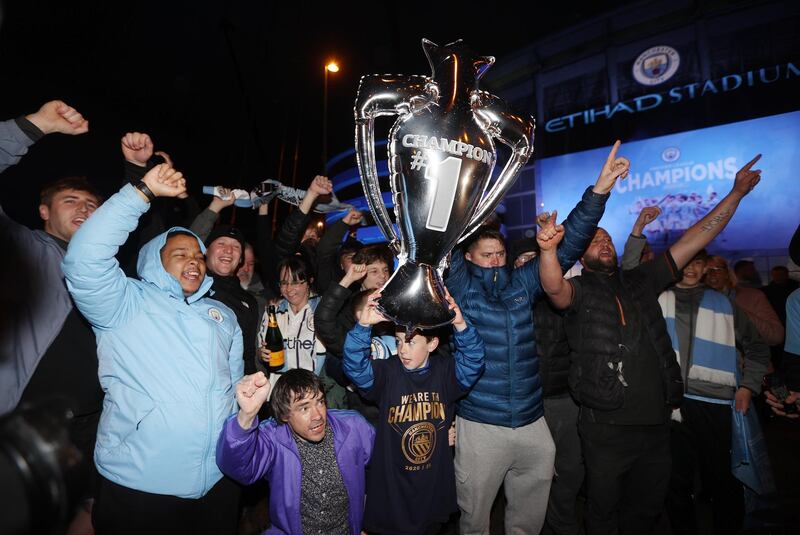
column 752, row 162
column 613, row 154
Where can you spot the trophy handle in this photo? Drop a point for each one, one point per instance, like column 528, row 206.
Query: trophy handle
column 383, row 95
column 501, row 123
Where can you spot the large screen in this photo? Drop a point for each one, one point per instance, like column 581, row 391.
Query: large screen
column 686, row 174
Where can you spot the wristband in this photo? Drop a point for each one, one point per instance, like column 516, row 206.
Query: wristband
column 147, row 192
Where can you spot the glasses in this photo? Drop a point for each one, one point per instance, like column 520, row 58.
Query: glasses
column 716, row 269
column 293, row 284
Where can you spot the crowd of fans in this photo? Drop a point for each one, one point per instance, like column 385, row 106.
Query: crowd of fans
column 622, row 379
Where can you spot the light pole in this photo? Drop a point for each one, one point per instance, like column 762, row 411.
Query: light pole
column 332, row 66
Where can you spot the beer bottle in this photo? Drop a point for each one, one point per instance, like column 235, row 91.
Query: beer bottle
column 274, row 342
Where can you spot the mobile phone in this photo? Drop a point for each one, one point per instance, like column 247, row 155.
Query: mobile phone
column 777, row 386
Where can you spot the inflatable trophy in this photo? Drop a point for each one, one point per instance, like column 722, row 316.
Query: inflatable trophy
column 441, row 157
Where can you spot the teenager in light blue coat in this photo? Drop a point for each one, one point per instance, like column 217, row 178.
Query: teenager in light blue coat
column 169, row 358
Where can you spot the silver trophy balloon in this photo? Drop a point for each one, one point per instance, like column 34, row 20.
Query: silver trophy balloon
column 441, row 157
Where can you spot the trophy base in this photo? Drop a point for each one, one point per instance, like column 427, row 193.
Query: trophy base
column 414, row 297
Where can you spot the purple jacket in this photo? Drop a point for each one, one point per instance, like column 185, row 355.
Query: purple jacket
column 247, row 456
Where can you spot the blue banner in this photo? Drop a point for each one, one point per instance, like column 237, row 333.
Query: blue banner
column 686, row 174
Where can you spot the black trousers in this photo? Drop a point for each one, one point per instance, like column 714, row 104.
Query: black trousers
column 627, row 476
column 703, row 440
column 119, row 510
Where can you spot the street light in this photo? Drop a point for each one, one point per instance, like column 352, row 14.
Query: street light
column 332, row 66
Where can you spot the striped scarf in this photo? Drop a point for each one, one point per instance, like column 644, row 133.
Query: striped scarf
column 713, row 357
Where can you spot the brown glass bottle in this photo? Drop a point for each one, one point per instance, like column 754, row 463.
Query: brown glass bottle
column 274, row 342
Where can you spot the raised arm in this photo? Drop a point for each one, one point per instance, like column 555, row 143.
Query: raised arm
column 470, row 352
column 291, row 233
column 326, row 316
column 558, row 290
column 203, row 224
column 98, row 286
column 701, row 233
column 581, row 223
column 634, row 245
column 356, row 362
column 328, row 248
column 17, row 135
column 245, row 451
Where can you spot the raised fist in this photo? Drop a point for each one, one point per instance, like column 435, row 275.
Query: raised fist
column 137, row 148
column 164, row 181
column 57, row 116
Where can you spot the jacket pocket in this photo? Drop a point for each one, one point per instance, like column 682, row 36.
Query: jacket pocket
column 598, row 382
column 124, row 413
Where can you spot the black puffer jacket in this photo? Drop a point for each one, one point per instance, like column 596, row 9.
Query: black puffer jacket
column 597, row 337
column 228, row 291
column 552, row 348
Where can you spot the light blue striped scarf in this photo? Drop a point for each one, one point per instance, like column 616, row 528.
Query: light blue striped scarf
column 713, row 357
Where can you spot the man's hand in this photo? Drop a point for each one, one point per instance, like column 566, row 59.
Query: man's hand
column 220, row 203
column 137, row 148
column 370, row 315
column 353, row 217
column 779, row 408
column 613, row 168
column 355, row 272
column 57, row 116
column 646, row 216
column 165, row 181
column 251, row 393
column 747, row 178
column 743, row 396
column 550, row 234
column 319, row 186
column 458, row 322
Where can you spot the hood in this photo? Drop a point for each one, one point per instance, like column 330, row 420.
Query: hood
column 150, row 268
column 493, row 280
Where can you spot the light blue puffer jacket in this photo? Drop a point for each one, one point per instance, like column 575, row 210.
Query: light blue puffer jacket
column 168, row 364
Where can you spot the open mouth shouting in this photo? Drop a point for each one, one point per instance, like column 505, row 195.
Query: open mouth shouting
column 317, row 428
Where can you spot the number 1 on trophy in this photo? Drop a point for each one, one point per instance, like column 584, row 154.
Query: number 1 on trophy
column 446, row 174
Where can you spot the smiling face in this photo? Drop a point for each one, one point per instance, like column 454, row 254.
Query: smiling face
column 377, row 275
column 295, row 291
column 66, row 212
column 223, row 256
column 414, row 354
column 717, row 274
column 601, row 255
column 182, row 258
column 307, row 416
column 693, row 272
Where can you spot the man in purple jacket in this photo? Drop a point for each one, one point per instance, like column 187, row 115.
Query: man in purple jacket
column 315, row 464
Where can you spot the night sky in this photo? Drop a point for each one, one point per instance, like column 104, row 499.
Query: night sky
column 232, row 90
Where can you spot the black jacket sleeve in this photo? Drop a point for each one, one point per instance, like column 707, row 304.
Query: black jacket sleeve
column 331, row 330
column 288, row 241
column 327, row 252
